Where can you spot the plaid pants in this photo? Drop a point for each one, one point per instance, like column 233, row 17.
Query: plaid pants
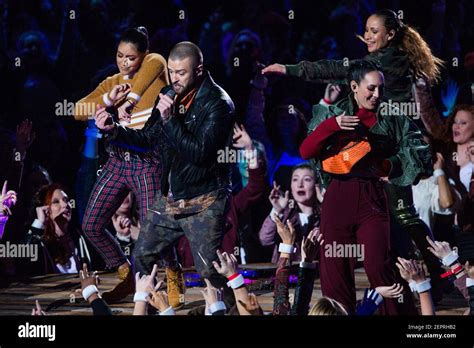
column 117, row 179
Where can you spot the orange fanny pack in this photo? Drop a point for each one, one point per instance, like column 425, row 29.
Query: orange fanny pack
column 348, row 156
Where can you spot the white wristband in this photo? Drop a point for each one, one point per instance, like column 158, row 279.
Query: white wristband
column 412, row 285
column 375, row 296
column 378, row 298
column 274, row 213
column 134, row 96
column 37, row 224
column 451, row 258
column 237, row 282
column 217, row 306
column 469, row 282
column 310, row 265
column 89, row 291
column 140, row 296
column 106, row 100
column 438, row 172
column 423, row 286
column 322, row 102
column 286, row 248
column 168, row 311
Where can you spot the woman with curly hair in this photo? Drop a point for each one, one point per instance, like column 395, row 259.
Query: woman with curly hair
column 455, row 138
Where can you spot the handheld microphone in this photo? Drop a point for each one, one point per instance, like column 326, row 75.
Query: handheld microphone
column 171, row 93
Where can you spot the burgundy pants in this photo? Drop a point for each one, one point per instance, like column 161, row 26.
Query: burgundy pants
column 117, row 179
column 354, row 212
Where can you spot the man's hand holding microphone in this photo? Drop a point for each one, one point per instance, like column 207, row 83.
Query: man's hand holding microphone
column 165, row 105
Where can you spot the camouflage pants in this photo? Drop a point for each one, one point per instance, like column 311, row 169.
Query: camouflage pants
column 161, row 231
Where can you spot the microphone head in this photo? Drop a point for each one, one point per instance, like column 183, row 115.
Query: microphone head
column 171, row 93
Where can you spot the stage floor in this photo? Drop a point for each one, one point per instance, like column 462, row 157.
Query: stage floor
column 56, row 295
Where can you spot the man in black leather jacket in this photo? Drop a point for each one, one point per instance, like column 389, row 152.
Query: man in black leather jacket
column 190, row 127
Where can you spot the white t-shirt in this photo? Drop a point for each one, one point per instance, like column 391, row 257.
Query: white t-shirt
column 426, row 200
column 465, row 174
column 70, row 267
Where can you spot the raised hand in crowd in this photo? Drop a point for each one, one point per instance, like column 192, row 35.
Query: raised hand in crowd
column 320, row 191
column 7, row 201
column 159, row 299
column 439, row 163
column 241, row 138
column 373, row 298
column 122, row 224
column 286, row 233
column 469, row 269
column 411, row 270
column 413, row 273
column 37, row 310
column 228, row 267
column 393, row 291
column 277, row 199
column 213, row 297
column 310, row 245
column 228, row 264
column 89, row 280
column 470, row 151
column 331, row 93
column 251, row 305
column 443, row 251
column 90, row 292
column 143, row 285
column 24, row 137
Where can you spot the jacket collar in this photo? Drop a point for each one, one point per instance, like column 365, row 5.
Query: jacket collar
column 350, row 106
column 205, row 87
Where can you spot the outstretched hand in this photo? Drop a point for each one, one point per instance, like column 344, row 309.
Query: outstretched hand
column 279, row 69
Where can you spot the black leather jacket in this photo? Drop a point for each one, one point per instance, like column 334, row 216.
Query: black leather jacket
column 189, row 143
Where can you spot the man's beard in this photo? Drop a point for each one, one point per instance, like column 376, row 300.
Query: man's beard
column 183, row 90
column 196, row 81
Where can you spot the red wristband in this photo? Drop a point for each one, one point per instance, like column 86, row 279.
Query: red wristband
column 233, row 276
column 327, row 101
column 453, row 271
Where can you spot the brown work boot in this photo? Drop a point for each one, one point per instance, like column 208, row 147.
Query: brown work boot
column 176, row 287
column 125, row 286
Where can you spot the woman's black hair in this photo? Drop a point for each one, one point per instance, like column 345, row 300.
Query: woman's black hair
column 137, row 36
column 359, row 68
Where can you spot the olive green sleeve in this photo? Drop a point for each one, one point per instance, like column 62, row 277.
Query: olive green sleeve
column 413, row 158
column 327, row 70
